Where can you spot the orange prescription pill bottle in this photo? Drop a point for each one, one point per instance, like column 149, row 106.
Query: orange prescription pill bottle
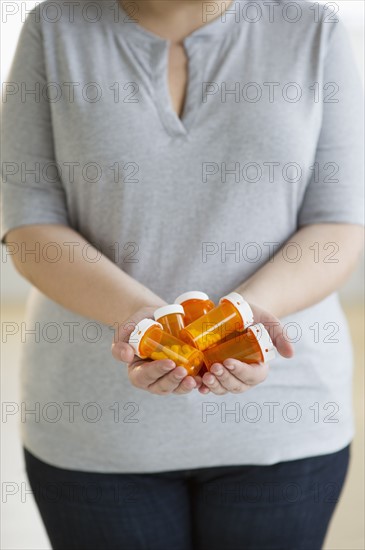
column 195, row 304
column 150, row 341
column 252, row 346
column 233, row 313
column 171, row 318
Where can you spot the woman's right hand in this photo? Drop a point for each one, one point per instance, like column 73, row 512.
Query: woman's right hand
column 160, row 377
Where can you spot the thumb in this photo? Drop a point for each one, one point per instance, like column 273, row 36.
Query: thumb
column 121, row 349
column 277, row 334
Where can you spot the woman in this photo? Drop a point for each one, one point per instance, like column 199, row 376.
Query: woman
column 155, row 148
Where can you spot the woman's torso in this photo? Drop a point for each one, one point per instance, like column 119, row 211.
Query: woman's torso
column 199, row 202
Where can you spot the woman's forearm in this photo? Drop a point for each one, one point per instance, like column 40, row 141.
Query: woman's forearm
column 309, row 267
column 98, row 290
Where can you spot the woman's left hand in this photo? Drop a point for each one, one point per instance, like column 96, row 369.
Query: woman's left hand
column 236, row 377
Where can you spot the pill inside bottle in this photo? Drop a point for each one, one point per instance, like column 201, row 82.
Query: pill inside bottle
column 149, row 340
column 195, row 304
column 171, row 318
column 252, row 346
column 232, row 314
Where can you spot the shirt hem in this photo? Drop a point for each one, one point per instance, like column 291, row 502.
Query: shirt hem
column 296, row 452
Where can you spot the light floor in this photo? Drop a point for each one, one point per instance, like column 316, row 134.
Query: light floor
column 21, row 525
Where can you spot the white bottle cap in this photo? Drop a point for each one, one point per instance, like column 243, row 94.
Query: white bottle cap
column 138, row 333
column 168, row 310
column 264, row 341
column 193, row 295
column 242, row 307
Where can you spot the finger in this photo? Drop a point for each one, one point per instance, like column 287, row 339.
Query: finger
column 213, row 384
column 198, row 380
column 168, row 383
column 122, row 352
column 203, row 389
column 283, row 345
column 144, row 373
column 251, row 375
column 227, row 379
column 277, row 334
column 187, row 385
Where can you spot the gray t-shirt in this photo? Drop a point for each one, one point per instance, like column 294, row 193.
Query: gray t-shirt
column 270, row 140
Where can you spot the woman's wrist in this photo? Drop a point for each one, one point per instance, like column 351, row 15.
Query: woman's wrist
column 143, row 301
column 262, row 299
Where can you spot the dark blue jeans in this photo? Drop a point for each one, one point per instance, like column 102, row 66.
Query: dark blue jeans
column 286, row 506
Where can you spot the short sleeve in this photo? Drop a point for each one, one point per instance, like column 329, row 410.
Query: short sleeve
column 335, row 193
column 32, row 192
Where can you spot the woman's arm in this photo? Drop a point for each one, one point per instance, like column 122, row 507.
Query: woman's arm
column 282, row 287
column 327, row 254
column 98, row 290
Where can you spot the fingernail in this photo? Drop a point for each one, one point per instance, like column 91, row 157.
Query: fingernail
column 169, row 366
column 182, row 373
column 123, row 350
column 217, row 369
column 229, row 366
column 209, row 379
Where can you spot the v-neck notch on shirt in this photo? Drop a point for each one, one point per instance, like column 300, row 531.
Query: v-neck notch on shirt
column 196, row 45
column 175, row 124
